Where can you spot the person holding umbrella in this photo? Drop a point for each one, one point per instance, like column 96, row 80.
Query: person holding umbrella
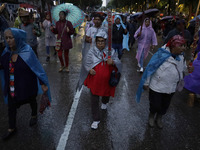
column 64, row 29
column 21, row 73
column 96, row 73
column 147, row 39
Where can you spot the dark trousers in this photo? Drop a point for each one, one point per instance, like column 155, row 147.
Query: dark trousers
column 131, row 40
column 12, row 109
column 95, row 106
column 159, row 102
column 118, row 48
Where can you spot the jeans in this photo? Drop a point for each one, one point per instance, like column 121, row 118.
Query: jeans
column 142, row 59
column 118, row 48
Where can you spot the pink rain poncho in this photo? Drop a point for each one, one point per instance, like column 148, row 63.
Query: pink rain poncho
column 145, row 40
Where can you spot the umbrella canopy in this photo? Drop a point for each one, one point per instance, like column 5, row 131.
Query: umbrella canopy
column 75, row 15
column 151, row 12
column 168, row 18
column 194, row 19
column 136, row 14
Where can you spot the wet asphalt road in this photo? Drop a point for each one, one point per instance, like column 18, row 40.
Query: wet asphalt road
column 123, row 126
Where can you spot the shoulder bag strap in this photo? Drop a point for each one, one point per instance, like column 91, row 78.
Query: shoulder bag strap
column 63, row 30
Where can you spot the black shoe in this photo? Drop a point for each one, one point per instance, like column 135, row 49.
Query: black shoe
column 48, row 59
column 9, row 134
column 33, row 121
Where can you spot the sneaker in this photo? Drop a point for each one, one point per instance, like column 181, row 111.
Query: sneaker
column 95, row 125
column 47, row 59
column 61, row 68
column 141, row 70
column 103, row 106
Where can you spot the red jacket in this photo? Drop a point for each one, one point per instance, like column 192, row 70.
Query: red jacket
column 66, row 38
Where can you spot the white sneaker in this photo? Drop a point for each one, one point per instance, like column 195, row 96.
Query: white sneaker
column 141, row 69
column 103, row 106
column 95, row 124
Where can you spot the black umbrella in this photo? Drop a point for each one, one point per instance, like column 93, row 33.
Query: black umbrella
column 168, row 18
column 151, row 12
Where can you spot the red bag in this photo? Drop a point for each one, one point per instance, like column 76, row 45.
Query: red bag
column 44, row 103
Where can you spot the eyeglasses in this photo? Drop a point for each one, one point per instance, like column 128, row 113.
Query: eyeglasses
column 100, row 42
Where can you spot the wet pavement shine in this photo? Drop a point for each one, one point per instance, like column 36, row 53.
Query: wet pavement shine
column 123, row 125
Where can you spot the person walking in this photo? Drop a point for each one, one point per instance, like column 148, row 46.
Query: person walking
column 50, row 38
column 147, row 40
column 31, row 29
column 119, row 29
column 96, row 72
column 22, row 70
column 192, row 80
column 91, row 34
column 132, row 31
column 18, row 21
column 64, row 29
column 161, row 78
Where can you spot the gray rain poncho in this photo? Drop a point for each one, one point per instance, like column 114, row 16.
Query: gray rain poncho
column 94, row 57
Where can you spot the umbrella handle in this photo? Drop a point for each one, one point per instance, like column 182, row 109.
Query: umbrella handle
column 143, row 15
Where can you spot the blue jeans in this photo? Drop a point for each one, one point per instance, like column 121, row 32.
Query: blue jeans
column 48, row 50
column 142, row 59
column 118, row 48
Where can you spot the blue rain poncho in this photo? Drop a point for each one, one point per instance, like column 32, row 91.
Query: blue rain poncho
column 28, row 56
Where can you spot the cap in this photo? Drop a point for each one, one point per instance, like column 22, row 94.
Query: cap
column 23, row 13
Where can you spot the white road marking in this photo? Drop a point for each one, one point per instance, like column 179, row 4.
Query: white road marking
column 64, row 137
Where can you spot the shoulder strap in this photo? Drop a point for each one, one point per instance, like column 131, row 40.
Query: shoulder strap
column 63, row 29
